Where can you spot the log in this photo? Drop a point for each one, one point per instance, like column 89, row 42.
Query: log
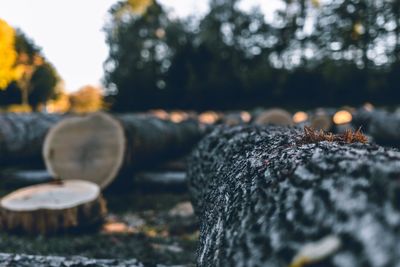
column 98, row 147
column 321, row 120
column 236, row 117
column 23, row 260
column 22, row 136
column 278, row 197
column 274, row 116
column 382, row 125
column 15, row 178
column 52, row 207
column 174, row 165
column 163, row 178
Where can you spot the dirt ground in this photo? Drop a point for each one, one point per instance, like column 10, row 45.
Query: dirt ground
column 153, row 225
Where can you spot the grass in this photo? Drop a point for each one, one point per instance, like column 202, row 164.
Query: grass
column 160, row 239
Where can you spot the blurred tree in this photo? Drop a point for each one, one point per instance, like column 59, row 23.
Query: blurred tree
column 139, row 56
column 42, row 85
column 29, row 59
column 139, row 6
column 60, row 103
column 87, row 99
column 34, row 79
column 8, row 54
column 312, row 53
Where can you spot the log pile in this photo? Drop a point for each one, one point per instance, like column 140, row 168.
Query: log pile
column 159, row 178
column 22, row 260
column 277, row 197
column 275, row 116
column 98, row 147
column 382, row 125
column 22, row 136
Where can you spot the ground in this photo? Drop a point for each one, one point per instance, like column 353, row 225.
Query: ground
column 153, row 226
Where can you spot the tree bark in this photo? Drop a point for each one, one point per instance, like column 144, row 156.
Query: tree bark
column 265, row 197
column 52, row 207
column 98, row 147
column 22, row 136
column 23, row 260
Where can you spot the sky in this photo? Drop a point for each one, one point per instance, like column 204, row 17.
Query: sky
column 70, row 31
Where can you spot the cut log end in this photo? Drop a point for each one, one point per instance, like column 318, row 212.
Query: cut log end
column 321, row 121
column 90, row 148
column 274, row 116
column 52, row 207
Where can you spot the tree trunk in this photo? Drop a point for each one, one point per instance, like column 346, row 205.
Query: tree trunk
column 156, row 179
column 52, row 207
column 99, row 146
column 271, row 197
column 22, row 260
column 22, row 136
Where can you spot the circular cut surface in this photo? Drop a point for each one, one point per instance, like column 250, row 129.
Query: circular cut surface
column 321, row 122
column 57, row 196
column 85, row 148
column 274, row 116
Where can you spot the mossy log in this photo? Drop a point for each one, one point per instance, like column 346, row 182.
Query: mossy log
column 52, row 207
column 99, row 146
column 22, row 136
column 268, row 197
column 23, row 260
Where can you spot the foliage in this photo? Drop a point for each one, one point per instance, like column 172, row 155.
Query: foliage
column 8, row 54
column 60, row 103
column 312, row 53
column 15, row 108
column 42, row 84
column 87, row 99
column 139, row 6
column 34, row 79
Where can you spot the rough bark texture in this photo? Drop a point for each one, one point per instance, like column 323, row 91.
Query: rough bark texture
column 262, row 195
column 22, row 260
column 22, row 136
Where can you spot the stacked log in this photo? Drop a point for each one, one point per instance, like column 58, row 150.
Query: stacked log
column 99, row 147
column 382, row 125
column 22, row 136
column 163, row 178
column 278, row 197
column 274, row 116
column 23, row 260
